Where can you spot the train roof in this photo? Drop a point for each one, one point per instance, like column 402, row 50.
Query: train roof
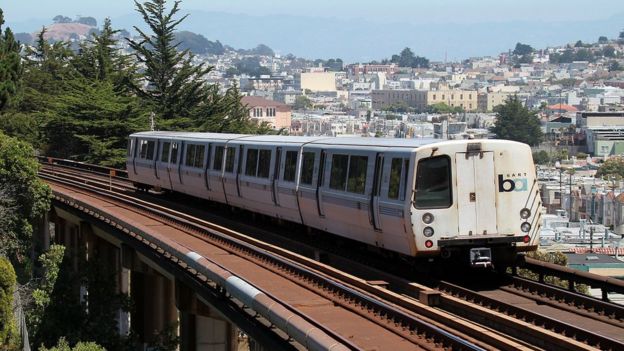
column 318, row 140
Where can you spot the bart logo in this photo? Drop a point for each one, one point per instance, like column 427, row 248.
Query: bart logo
column 511, row 184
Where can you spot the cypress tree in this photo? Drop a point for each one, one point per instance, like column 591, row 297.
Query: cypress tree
column 516, row 122
column 10, row 65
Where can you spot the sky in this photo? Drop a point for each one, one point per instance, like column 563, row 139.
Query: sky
column 429, row 11
column 436, row 29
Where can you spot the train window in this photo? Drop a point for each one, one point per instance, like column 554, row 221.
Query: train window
column 130, row 146
column 251, row 166
column 307, row 168
column 395, row 178
column 200, row 150
column 290, row 166
column 164, row 155
column 338, row 176
column 150, row 150
column 174, row 153
column 357, row 174
column 218, row 158
column 190, row 155
column 229, row 159
column 433, row 183
column 405, row 171
column 264, row 163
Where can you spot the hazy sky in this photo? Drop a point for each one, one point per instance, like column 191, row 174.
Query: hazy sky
column 432, row 11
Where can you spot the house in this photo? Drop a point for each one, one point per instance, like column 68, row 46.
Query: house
column 276, row 114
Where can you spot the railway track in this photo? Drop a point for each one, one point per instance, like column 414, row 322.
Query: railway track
column 421, row 332
column 522, row 329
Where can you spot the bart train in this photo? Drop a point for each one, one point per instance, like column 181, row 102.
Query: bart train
column 476, row 199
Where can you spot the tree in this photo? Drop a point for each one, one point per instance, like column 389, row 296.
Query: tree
column 175, row 84
column 523, row 49
column 198, row 44
column 516, row 122
column 541, row 157
column 614, row 166
column 28, row 195
column 302, row 103
column 63, row 345
column 603, row 40
column 61, row 19
column 608, row 51
column 10, row 65
column 9, row 337
column 407, row 59
column 89, row 21
column 615, row 66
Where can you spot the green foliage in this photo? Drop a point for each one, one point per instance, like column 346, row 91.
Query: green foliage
column 251, row 66
column 302, row 102
column 28, row 196
column 516, row 122
column 603, row 40
column 58, row 310
column 615, row 66
column 198, row 44
column 261, row 50
column 167, row 339
column 9, row 337
column 541, row 157
column 63, row 345
column 10, row 65
column 442, row 107
column 614, row 166
column 176, row 84
column 608, row 51
column 407, row 59
column 556, row 258
column 581, row 155
column 523, row 49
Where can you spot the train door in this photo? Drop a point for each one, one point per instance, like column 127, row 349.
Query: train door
column 192, row 169
column 173, row 168
column 344, row 194
column 162, row 164
column 275, row 175
column 214, row 171
column 284, row 183
column 310, row 172
column 144, row 160
column 255, row 183
column 476, row 193
column 389, row 199
column 230, row 173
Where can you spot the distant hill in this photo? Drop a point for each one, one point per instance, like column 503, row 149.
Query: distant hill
column 65, row 31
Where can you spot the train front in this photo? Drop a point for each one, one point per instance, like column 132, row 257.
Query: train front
column 477, row 201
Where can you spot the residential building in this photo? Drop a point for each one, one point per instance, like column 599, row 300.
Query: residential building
column 315, row 81
column 278, row 115
column 487, row 101
column 421, row 99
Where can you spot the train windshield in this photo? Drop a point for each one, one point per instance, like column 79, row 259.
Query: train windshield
column 433, row 183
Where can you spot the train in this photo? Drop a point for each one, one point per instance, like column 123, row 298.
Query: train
column 477, row 200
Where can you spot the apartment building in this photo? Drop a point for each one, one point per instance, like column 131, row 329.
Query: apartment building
column 278, row 115
column 487, row 101
column 421, row 99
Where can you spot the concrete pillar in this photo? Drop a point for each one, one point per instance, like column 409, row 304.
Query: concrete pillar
column 201, row 327
column 154, row 300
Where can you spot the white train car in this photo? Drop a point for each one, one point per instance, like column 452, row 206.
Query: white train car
column 415, row 197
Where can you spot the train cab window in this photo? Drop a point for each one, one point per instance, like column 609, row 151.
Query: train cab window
column 433, row 183
column 229, row 159
column 396, row 186
column 356, row 182
column 164, row 155
column 264, row 164
column 251, row 166
column 307, row 168
column 218, row 158
column 338, row 176
column 290, row 166
column 174, row 153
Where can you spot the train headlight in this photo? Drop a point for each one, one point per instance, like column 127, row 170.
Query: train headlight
column 428, row 232
column 525, row 213
column 525, row 227
column 428, row 218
